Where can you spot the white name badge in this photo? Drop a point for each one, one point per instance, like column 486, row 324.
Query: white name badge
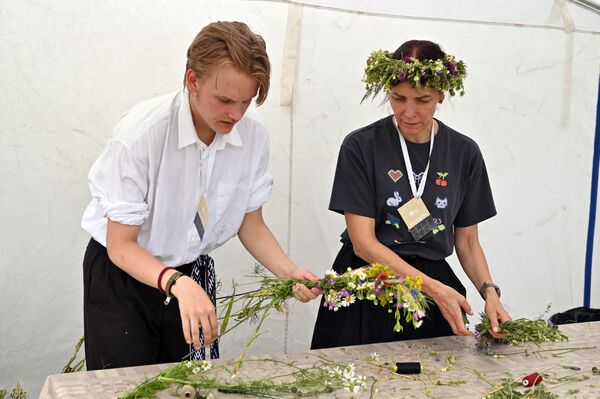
column 203, row 211
column 413, row 212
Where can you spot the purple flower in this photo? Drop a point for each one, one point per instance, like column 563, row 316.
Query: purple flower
column 418, row 315
column 402, row 76
column 414, row 292
column 399, row 305
column 424, row 78
column 452, row 68
column 551, row 324
column 407, row 59
column 331, row 282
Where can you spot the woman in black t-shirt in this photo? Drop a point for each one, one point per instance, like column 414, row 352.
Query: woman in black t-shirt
column 405, row 164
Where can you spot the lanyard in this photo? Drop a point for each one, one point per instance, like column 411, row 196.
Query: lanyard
column 417, row 192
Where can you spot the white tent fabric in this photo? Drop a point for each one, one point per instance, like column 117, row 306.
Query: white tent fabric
column 549, row 13
column 70, row 69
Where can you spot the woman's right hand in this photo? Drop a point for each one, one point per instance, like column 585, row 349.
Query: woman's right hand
column 451, row 304
column 195, row 308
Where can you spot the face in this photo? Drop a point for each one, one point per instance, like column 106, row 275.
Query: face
column 414, row 110
column 219, row 100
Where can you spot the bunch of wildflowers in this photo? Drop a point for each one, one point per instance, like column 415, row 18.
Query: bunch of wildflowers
column 382, row 72
column 376, row 283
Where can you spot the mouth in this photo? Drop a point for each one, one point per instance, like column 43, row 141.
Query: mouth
column 228, row 123
column 408, row 124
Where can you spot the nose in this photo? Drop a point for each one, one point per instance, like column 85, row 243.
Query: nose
column 410, row 110
column 236, row 112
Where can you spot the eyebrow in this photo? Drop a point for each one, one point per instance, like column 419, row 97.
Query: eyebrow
column 418, row 98
column 222, row 98
column 225, row 98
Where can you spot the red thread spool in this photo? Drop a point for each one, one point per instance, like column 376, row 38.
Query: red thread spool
column 532, row 379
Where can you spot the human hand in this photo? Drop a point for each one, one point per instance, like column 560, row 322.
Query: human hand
column 195, row 308
column 496, row 313
column 451, row 304
column 301, row 292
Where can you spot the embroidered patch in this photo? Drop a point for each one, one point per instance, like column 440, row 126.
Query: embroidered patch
column 395, row 175
column 438, row 229
column 441, row 180
column 441, row 203
column 437, row 221
column 395, row 200
column 393, row 220
column 418, row 178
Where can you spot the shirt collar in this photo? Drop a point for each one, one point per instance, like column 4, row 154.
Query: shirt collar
column 187, row 132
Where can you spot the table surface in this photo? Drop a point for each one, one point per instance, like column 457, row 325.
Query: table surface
column 450, row 367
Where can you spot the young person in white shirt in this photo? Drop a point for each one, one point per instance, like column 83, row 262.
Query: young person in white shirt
column 181, row 175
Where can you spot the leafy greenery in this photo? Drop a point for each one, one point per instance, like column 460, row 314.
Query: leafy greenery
column 514, row 389
column 17, row 393
column 291, row 380
column 518, row 331
column 79, row 365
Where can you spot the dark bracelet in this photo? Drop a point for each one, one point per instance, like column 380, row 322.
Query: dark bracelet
column 487, row 285
column 159, row 280
column 170, row 283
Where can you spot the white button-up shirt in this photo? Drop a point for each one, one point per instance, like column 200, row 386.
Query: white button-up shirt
column 154, row 170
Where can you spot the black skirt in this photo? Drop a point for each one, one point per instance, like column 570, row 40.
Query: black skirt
column 366, row 323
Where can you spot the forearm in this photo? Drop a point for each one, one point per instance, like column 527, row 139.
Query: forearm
column 373, row 251
column 474, row 264
column 124, row 251
column 260, row 242
column 471, row 257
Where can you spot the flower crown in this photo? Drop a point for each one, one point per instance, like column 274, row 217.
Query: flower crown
column 383, row 72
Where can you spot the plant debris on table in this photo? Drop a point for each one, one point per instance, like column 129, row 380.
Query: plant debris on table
column 286, row 379
column 518, row 331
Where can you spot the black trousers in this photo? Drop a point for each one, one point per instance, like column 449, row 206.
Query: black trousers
column 126, row 322
column 366, row 323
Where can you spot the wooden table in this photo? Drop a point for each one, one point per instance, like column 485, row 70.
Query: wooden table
column 448, row 368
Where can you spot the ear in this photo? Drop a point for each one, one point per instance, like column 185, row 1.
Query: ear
column 191, row 80
column 441, row 98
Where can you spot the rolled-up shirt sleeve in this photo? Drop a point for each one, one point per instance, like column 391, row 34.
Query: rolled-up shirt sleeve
column 260, row 191
column 118, row 181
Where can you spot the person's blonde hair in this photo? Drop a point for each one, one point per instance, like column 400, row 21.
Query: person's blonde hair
column 231, row 42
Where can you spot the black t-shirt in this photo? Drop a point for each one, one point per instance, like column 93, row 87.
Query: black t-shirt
column 371, row 180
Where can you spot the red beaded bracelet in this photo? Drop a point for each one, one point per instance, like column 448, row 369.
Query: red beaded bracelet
column 159, row 281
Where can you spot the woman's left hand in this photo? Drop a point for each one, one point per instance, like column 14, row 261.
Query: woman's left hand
column 496, row 313
column 301, row 292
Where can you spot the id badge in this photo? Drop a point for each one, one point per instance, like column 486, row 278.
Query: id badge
column 203, row 210
column 417, row 218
